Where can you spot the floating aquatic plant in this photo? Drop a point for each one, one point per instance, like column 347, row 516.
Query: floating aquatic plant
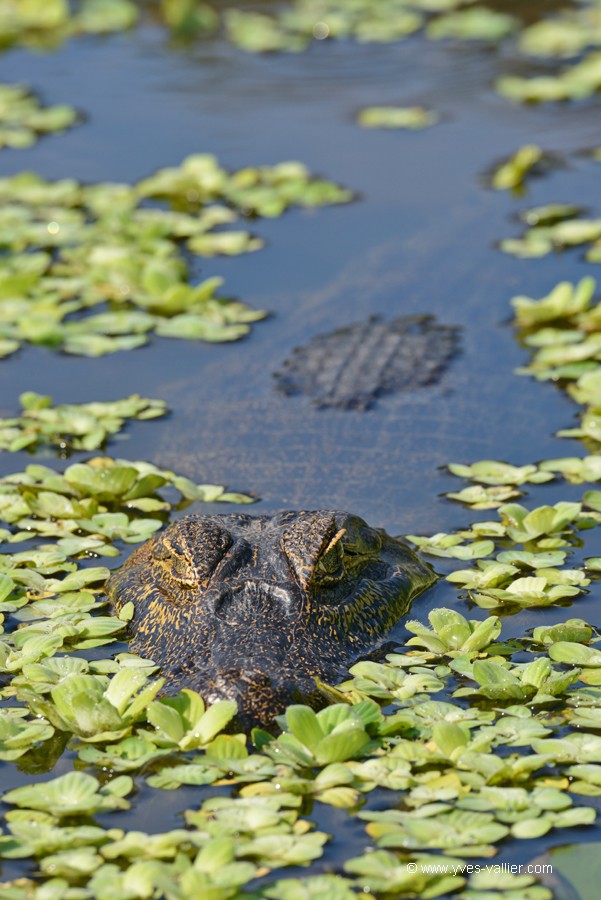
column 558, row 229
column 104, row 270
column 104, row 498
column 72, row 426
column 472, row 24
column 563, row 329
column 295, row 26
column 511, row 174
column 413, row 118
column 572, row 83
column 47, row 23
column 23, row 119
column 563, row 36
column 72, row 794
column 18, row 733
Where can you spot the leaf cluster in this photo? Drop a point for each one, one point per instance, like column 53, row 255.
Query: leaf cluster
column 105, row 498
column 294, row 27
column 94, row 269
column 72, row 426
column 564, row 330
column 23, row 119
column 563, row 36
column 557, row 227
column 47, row 23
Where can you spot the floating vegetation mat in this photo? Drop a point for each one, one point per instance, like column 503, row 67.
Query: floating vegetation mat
column 477, row 742
column 572, row 83
column 23, row 119
column 564, row 330
column 94, row 269
column 47, row 23
column 36, row 23
column 72, row 426
column 554, row 228
column 563, row 37
column 570, row 37
column 296, row 25
column 483, row 741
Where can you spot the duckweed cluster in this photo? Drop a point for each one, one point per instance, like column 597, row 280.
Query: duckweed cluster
column 79, row 426
column 514, row 763
column 294, row 27
column 90, row 270
column 556, row 228
column 487, row 740
column 45, row 24
column 23, row 119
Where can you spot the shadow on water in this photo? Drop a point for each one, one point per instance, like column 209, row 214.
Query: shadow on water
column 419, row 239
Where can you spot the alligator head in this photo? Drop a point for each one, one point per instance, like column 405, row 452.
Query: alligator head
column 255, row 608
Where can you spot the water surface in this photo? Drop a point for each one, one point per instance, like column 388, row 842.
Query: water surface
column 419, row 238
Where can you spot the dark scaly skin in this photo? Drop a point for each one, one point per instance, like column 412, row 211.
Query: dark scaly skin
column 254, row 608
column 351, row 367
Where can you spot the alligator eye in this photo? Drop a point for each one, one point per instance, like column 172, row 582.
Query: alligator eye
column 305, row 541
column 183, row 571
column 329, row 567
column 174, row 565
column 208, row 546
column 346, row 553
column 360, row 539
column 189, row 551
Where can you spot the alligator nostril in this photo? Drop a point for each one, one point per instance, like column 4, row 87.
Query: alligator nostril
column 212, row 597
column 250, row 600
column 238, row 555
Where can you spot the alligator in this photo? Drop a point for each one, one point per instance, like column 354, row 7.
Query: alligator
column 351, row 367
column 257, row 608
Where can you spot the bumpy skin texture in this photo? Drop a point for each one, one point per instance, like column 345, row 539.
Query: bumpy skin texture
column 254, row 608
column 351, row 367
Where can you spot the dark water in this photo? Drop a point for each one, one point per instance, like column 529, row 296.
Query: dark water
column 420, row 238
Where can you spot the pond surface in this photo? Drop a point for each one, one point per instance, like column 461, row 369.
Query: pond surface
column 419, row 238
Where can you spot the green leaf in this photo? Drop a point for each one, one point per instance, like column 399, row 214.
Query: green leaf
column 409, row 117
column 73, row 794
column 512, row 173
column 214, row 720
column 578, row 865
column 304, row 725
